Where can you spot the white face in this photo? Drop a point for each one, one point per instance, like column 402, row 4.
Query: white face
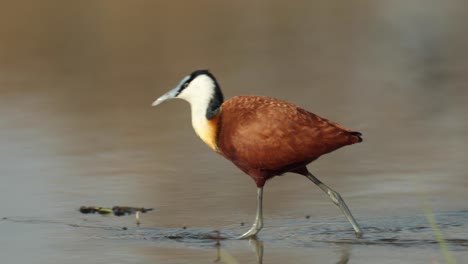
column 199, row 91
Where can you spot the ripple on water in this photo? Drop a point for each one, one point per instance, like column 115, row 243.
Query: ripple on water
column 401, row 231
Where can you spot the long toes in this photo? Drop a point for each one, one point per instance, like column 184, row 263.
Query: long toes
column 248, row 234
column 359, row 234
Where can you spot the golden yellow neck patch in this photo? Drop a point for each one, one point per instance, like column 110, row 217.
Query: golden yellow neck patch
column 207, row 130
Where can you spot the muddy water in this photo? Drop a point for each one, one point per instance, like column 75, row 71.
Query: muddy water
column 76, row 128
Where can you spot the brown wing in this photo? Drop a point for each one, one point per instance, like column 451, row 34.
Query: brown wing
column 269, row 134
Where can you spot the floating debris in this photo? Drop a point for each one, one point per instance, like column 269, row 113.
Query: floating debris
column 116, row 210
column 126, row 210
column 95, row 209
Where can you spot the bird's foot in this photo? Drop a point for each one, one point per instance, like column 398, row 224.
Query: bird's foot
column 358, row 234
column 252, row 233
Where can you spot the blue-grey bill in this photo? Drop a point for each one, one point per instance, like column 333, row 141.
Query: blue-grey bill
column 167, row 96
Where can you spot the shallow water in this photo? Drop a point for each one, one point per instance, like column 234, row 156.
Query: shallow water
column 76, row 128
column 386, row 240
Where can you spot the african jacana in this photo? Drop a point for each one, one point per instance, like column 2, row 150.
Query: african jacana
column 262, row 136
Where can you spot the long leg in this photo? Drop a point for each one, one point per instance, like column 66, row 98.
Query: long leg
column 336, row 198
column 258, row 224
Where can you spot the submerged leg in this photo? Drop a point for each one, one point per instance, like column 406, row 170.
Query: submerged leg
column 336, row 198
column 258, row 224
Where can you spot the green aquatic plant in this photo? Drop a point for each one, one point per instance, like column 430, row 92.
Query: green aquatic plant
column 437, row 233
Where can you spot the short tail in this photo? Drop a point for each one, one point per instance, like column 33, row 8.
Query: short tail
column 357, row 135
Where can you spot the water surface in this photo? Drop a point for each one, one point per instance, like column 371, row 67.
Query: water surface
column 76, row 128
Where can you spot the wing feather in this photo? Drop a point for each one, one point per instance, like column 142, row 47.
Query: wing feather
column 269, row 134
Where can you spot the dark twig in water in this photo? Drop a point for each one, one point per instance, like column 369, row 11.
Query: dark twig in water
column 116, row 210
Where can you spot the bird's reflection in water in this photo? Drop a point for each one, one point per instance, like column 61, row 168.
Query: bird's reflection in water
column 345, row 255
column 257, row 246
column 225, row 257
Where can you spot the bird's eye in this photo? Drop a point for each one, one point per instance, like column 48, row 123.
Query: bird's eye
column 185, row 85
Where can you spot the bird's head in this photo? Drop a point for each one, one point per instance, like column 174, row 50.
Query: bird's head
column 200, row 89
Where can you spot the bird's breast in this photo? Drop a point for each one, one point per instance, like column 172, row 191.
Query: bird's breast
column 207, row 130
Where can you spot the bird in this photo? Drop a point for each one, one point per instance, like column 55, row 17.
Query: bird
column 263, row 136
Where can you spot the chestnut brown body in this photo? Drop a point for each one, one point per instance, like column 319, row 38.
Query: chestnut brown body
column 263, row 136
column 266, row 137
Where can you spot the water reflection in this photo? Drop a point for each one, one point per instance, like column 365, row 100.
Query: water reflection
column 257, row 246
column 76, row 128
column 299, row 240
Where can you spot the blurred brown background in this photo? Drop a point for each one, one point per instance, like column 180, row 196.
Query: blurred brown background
column 76, row 128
